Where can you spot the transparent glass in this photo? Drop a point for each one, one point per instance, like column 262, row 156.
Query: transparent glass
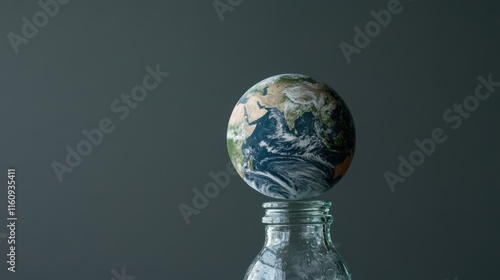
column 298, row 244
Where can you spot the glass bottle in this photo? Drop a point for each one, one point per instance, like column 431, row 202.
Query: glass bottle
column 298, row 244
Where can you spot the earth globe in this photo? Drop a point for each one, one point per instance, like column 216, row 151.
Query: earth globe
column 291, row 137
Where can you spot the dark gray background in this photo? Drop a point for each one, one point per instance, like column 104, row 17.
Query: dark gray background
column 119, row 207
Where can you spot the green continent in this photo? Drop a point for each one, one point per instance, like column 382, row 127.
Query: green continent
column 323, row 114
column 296, row 80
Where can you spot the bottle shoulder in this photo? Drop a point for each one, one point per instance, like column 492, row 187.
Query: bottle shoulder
column 287, row 263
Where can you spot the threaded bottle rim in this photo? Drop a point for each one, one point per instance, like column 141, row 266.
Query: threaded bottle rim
column 297, row 212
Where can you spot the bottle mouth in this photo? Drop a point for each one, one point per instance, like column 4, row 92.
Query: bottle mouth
column 297, row 212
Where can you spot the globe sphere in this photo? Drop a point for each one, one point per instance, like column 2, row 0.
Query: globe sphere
column 291, row 137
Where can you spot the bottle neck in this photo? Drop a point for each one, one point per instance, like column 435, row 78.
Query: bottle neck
column 314, row 235
column 298, row 222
